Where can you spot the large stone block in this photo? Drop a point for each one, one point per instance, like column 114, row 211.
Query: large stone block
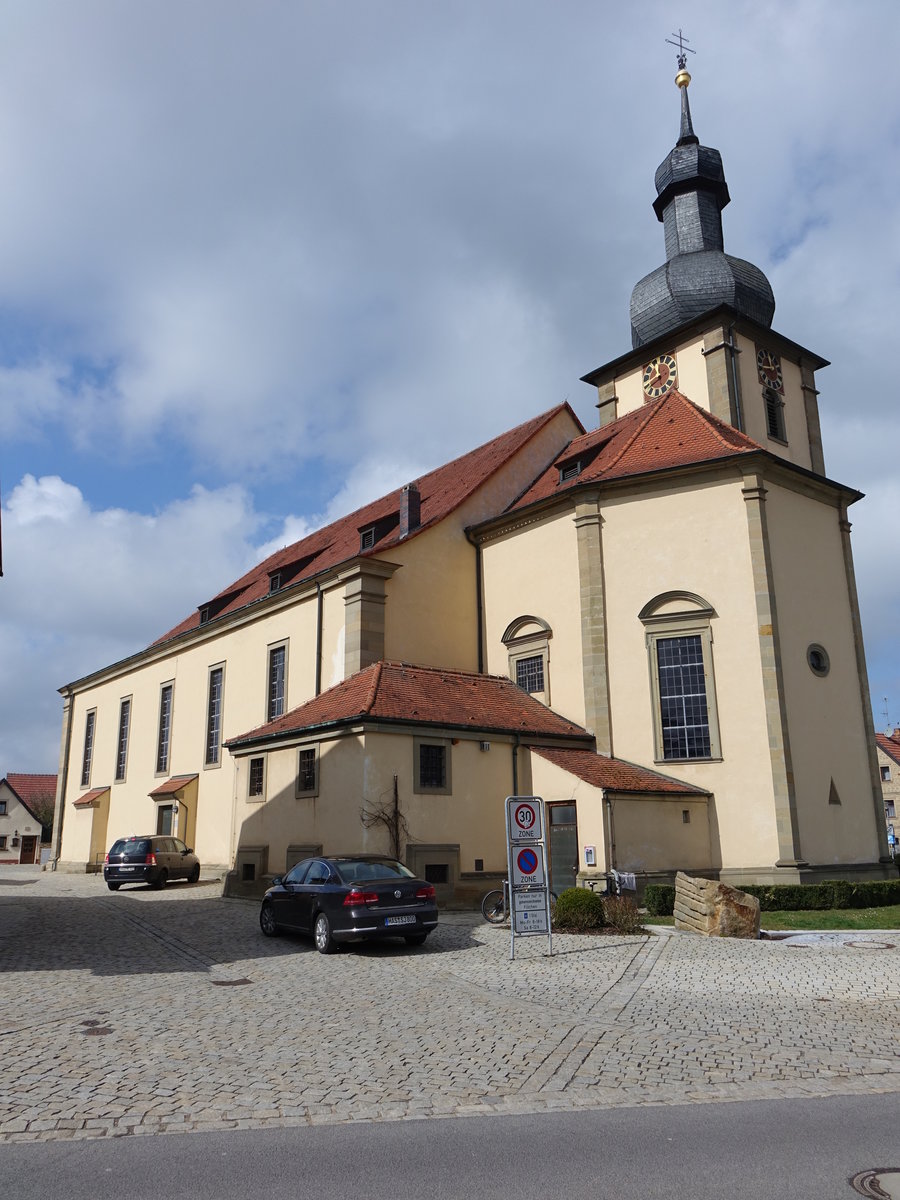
column 714, row 909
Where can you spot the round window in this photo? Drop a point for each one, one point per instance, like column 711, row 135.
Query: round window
column 817, row 657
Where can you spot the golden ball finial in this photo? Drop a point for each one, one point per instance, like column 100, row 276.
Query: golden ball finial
column 682, row 79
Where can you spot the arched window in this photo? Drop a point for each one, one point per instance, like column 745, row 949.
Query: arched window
column 527, row 641
column 679, row 644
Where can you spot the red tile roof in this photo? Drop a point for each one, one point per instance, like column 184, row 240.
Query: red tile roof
column 669, row 432
column 31, row 788
column 614, row 774
column 172, row 785
column 441, row 491
column 398, row 692
column 890, row 744
column 88, row 798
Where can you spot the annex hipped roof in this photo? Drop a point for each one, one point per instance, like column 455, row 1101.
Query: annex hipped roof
column 399, row 693
column 441, row 491
column 666, row 433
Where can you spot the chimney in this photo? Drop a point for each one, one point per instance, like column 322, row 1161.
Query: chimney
column 410, row 509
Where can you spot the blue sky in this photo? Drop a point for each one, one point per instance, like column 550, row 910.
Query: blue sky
column 262, row 262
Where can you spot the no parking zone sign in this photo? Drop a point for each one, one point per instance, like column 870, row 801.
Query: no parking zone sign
column 527, row 857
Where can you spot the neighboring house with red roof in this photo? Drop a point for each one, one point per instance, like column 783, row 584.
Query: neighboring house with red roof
column 24, row 801
column 887, row 747
column 652, row 624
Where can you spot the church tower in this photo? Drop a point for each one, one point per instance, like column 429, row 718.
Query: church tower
column 702, row 322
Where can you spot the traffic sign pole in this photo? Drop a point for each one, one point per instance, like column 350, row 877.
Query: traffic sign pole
column 526, row 856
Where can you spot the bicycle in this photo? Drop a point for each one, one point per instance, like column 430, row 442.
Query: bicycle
column 495, row 905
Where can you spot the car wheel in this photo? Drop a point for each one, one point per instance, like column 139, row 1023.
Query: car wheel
column 267, row 920
column 415, row 939
column 194, row 876
column 113, row 887
column 325, row 943
column 160, row 881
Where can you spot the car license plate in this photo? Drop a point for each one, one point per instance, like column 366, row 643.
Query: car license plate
column 126, row 868
column 400, row 920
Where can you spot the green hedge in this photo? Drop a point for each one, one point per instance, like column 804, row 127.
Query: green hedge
column 659, row 898
column 579, row 909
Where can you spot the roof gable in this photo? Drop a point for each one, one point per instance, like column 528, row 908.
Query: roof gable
column 29, row 789
column 889, row 743
column 665, row 433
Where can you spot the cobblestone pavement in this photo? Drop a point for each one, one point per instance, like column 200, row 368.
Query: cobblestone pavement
column 146, row 1012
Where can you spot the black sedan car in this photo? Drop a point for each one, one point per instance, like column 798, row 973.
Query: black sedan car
column 150, row 858
column 349, row 898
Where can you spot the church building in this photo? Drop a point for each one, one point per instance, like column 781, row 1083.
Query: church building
column 652, row 624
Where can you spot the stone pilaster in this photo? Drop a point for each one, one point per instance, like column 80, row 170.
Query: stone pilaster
column 811, row 408
column 723, row 387
column 365, row 599
column 865, row 700
column 607, row 403
column 786, row 823
column 588, row 524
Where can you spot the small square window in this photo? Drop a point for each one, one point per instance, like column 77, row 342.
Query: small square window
column 569, row 471
column 2, row 808
column 257, row 776
column 530, row 673
column 3, row 842
column 889, row 809
column 248, row 872
column 307, row 771
column 437, row 873
column 885, row 774
column 367, row 538
column 432, row 766
column 275, row 581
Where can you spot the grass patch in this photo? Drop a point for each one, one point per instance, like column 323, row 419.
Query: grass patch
column 822, row 919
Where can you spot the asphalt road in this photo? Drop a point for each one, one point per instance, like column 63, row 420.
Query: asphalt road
column 764, row 1150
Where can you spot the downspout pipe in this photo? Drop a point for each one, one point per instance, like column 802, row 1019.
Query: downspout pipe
column 479, row 603
column 319, row 605
column 515, row 765
column 63, row 780
column 609, row 850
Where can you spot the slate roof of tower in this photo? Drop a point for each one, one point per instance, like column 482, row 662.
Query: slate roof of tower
column 614, row 774
column 400, row 693
column 441, row 490
column 669, row 432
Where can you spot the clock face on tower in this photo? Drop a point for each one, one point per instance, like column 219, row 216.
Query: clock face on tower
column 660, row 375
column 768, row 366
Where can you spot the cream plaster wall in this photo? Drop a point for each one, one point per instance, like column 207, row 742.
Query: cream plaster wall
column 534, row 571
column 552, row 783
column 17, row 819
column 356, row 772
column 694, row 539
column 825, row 721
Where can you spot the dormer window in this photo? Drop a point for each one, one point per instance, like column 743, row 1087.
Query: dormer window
column 204, row 615
column 570, row 470
column 274, row 582
column 367, row 538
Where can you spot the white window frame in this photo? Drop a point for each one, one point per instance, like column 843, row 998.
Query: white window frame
column 272, row 702
column 123, row 738
column 162, row 764
column 90, row 740
column 673, row 615
column 213, row 763
column 529, row 637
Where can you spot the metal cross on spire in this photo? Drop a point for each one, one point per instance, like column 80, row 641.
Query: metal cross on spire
column 683, row 49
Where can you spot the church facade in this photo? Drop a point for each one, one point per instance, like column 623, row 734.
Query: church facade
column 652, row 624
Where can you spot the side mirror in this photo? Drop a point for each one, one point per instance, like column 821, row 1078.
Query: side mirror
column 276, row 880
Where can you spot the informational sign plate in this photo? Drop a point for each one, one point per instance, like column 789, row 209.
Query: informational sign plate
column 529, row 910
column 524, row 819
column 527, row 866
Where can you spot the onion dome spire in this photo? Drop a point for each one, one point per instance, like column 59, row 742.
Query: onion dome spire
column 697, row 275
